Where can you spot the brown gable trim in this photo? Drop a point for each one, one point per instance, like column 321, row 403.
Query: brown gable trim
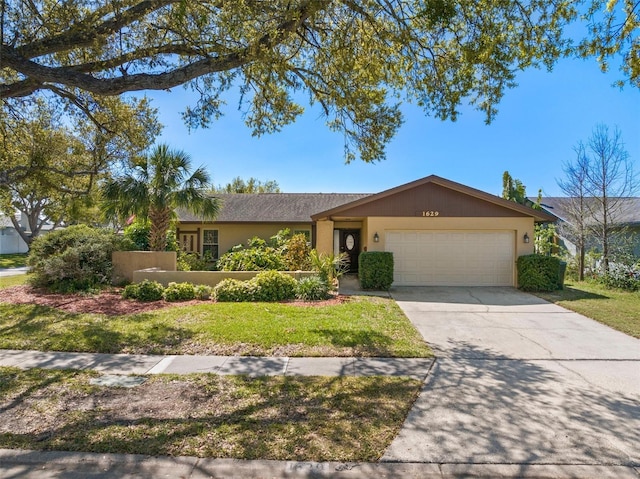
column 467, row 190
column 222, row 223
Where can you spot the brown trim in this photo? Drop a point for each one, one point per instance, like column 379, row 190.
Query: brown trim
column 467, row 190
column 218, row 223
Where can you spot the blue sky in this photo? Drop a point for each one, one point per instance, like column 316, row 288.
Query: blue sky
column 537, row 126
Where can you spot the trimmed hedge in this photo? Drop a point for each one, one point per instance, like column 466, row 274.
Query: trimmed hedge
column 144, row 291
column 375, row 270
column 179, row 292
column 538, row 273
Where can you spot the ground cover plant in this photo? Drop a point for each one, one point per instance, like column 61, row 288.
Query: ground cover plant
column 280, row 418
column 616, row 308
column 14, row 260
column 348, row 326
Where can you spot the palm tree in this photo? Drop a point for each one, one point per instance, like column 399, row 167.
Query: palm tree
column 157, row 185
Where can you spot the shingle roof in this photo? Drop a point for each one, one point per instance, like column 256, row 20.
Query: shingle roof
column 628, row 212
column 274, row 207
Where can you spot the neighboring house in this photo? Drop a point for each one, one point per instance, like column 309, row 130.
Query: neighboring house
column 627, row 215
column 10, row 240
column 440, row 232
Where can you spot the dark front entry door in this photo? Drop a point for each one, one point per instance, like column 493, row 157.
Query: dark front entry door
column 350, row 244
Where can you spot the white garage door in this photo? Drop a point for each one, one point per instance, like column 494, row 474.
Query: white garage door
column 452, row 258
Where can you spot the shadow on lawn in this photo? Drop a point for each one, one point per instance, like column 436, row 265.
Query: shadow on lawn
column 573, row 294
column 46, row 329
column 265, row 418
column 369, row 342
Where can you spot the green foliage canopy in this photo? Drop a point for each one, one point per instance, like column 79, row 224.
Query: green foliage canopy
column 357, row 59
column 157, row 185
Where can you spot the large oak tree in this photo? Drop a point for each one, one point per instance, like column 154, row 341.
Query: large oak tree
column 356, row 59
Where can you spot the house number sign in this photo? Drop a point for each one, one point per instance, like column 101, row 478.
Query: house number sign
column 430, row 213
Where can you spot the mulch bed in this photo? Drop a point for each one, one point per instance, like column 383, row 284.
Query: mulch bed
column 109, row 302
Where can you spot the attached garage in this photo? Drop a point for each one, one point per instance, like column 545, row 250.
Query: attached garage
column 441, row 233
column 452, row 258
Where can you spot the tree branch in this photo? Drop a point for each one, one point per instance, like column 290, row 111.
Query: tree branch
column 38, row 74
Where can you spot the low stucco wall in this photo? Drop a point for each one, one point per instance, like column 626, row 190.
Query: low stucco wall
column 126, row 262
column 210, row 278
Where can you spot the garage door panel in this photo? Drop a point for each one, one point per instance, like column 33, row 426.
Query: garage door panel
column 452, row 258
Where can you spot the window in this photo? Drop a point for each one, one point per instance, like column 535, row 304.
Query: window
column 210, row 243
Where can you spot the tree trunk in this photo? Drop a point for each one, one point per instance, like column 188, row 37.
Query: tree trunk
column 160, row 221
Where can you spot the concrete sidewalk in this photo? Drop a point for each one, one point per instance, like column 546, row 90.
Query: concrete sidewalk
column 13, row 271
column 81, row 465
column 125, row 364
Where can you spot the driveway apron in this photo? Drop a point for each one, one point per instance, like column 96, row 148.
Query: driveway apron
column 519, row 381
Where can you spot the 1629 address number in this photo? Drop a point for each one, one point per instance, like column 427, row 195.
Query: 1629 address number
column 430, row 213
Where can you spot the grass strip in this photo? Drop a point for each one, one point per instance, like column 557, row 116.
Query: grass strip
column 616, row 308
column 13, row 260
column 279, row 418
column 16, row 280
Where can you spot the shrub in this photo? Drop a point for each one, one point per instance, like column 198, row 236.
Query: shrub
column 274, row 286
column 144, row 291
column 312, row 289
column 73, row 259
column 375, row 270
column 283, row 252
column 328, row 266
column 138, row 234
column 296, row 253
column 256, row 257
column 203, row 292
column 179, row 292
column 233, row 290
column 538, row 273
column 193, row 262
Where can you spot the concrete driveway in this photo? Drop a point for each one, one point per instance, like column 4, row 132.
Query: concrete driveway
column 519, row 381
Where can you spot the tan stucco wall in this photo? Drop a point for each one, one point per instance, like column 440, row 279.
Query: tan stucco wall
column 324, row 236
column 126, row 262
column 230, row 235
column 210, row 278
column 383, row 224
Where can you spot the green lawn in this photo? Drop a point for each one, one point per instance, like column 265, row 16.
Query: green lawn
column 615, row 308
column 282, row 418
column 13, row 260
column 362, row 326
column 8, row 281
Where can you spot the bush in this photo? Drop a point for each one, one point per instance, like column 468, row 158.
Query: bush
column 274, row 286
column 144, row 291
column 296, row 253
column 138, row 234
column 203, row 292
column 312, row 289
column 375, row 270
column 179, row 292
column 328, row 266
column 283, row 252
column 193, row 262
column 257, row 257
column 233, row 290
column 538, row 273
column 76, row 258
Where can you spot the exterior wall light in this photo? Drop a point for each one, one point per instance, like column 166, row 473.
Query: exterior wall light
column 376, row 237
column 526, row 237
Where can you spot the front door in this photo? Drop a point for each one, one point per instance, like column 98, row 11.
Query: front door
column 350, row 244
